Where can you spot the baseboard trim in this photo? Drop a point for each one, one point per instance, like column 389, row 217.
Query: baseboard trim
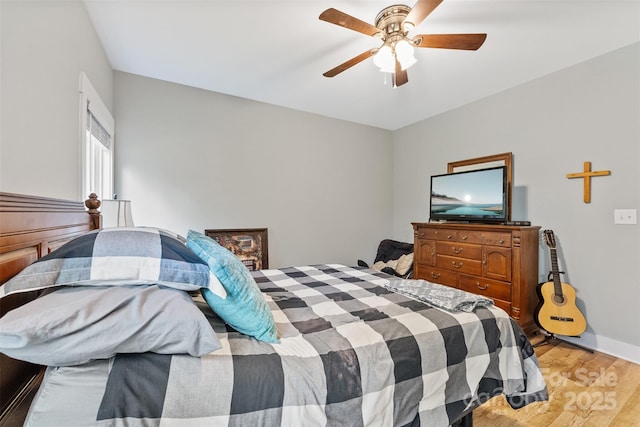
column 610, row 346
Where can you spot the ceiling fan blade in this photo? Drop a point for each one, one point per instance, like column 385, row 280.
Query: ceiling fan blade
column 336, row 17
column 421, row 10
column 450, row 41
column 348, row 64
column 401, row 76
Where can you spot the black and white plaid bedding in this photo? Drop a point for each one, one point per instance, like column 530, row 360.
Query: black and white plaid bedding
column 352, row 353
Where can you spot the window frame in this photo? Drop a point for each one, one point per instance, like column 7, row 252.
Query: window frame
column 91, row 101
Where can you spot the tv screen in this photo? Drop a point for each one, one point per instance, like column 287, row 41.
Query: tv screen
column 477, row 195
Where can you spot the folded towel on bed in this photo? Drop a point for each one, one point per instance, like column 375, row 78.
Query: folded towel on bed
column 441, row 296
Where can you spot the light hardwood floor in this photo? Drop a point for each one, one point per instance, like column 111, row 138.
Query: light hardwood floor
column 585, row 389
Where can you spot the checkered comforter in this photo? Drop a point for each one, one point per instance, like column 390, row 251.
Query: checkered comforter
column 352, row 353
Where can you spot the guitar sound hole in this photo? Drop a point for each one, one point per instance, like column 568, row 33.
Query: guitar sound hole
column 559, row 299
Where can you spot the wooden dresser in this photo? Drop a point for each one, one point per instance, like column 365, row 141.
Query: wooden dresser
column 497, row 261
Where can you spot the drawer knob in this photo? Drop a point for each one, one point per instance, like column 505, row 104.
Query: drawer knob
column 456, row 265
column 465, row 237
column 450, row 236
column 456, row 250
column 435, row 275
column 501, row 241
column 482, row 288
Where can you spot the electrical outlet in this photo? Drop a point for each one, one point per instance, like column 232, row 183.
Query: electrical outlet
column 625, row 216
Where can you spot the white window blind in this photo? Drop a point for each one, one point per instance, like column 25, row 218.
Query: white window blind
column 98, row 131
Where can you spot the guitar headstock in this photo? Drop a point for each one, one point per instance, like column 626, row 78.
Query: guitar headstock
column 549, row 238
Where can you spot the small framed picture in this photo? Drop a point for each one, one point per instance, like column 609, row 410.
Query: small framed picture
column 250, row 245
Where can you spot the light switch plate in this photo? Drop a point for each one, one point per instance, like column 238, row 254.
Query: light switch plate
column 625, row 216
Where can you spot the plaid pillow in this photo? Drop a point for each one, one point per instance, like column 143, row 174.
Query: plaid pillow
column 117, row 256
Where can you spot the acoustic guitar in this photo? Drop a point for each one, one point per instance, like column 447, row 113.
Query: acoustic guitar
column 557, row 312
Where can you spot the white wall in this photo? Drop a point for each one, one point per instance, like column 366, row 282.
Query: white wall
column 190, row 158
column 589, row 112
column 45, row 45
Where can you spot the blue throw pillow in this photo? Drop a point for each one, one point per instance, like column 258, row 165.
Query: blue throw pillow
column 244, row 307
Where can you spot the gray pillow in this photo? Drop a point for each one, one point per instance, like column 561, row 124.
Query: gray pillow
column 75, row 325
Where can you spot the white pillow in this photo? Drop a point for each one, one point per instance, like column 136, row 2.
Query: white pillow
column 400, row 265
column 404, row 264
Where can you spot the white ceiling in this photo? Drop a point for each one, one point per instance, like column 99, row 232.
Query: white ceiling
column 276, row 51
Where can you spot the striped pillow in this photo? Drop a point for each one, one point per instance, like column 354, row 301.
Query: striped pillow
column 118, row 256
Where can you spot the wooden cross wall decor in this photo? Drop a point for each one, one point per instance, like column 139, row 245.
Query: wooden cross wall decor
column 586, row 175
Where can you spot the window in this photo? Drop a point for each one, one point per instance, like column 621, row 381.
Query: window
column 96, row 138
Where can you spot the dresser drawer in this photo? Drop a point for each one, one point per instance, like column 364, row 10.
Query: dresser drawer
column 487, row 287
column 460, row 265
column 437, row 234
column 436, row 275
column 485, row 238
column 460, row 250
column 506, row 306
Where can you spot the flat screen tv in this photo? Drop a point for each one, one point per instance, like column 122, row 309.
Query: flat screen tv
column 471, row 196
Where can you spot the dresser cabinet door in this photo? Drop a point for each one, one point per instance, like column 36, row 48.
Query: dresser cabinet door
column 425, row 252
column 496, row 263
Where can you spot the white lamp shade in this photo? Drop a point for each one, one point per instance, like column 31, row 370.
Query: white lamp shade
column 384, row 59
column 404, row 53
column 116, row 213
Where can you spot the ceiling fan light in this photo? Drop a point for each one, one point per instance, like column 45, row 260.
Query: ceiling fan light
column 388, row 68
column 384, row 59
column 404, row 53
column 407, row 62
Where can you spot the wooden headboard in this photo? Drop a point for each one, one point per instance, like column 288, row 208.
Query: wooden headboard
column 30, row 227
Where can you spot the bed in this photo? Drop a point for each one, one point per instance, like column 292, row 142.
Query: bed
column 306, row 345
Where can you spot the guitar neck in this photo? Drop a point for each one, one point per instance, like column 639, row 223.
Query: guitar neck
column 555, row 272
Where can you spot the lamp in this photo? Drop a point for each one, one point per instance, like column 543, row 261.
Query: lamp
column 116, row 213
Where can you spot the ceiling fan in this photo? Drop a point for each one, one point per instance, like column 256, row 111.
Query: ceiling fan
column 392, row 26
